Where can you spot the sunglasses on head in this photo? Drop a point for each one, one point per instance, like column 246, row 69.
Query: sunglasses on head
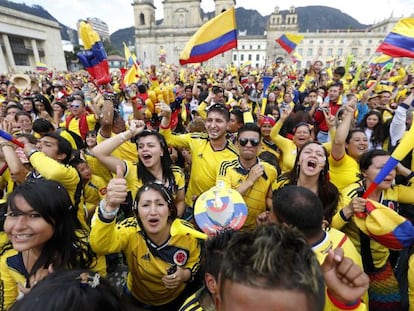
column 253, row 141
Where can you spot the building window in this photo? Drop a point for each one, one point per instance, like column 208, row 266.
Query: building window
column 142, row 19
column 20, row 53
column 257, row 57
column 340, row 52
column 234, row 57
column 242, row 57
column 331, row 41
column 341, row 41
column 310, row 41
column 369, row 41
column 354, row 51
column 320, row 41
column 249, row 57
column 330, row 52
column 251, row 47
column 242, row 47
column 367, row 52
column 310, row 52
column 258, row 47
column 300, row 51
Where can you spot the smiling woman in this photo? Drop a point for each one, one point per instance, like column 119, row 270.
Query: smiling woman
column 43, row 230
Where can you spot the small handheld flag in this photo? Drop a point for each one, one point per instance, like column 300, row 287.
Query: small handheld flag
column 289, row 41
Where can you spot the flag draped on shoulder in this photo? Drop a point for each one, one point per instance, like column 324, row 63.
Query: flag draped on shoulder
column 214, row 37
column 400, row 41
column 289, row 41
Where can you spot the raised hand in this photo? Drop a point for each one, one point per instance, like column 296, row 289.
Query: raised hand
column 345, row 280
column 116, row 191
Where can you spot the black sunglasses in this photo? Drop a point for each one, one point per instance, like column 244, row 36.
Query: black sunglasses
column 253, row 141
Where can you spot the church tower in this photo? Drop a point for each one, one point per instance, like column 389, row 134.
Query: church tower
column 222, row 5
column 144, row 13
column 278, row 24
column 182, row 13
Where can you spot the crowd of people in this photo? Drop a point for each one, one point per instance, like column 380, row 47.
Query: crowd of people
column 101, row 173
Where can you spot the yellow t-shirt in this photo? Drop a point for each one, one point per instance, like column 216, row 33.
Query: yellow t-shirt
column 127, row 151
column 145, row 266
column 233, row 174
column 205, row 161
column 134, row 183
column 93, row 192
column 343, row 172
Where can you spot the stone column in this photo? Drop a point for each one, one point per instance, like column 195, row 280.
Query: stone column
column 35, row 51
column 12, row 64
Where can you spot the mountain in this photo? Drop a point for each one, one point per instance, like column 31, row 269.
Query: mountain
column 310, row 18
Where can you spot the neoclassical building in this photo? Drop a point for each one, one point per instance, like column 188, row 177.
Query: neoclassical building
column 26, row 39
column 182, row 18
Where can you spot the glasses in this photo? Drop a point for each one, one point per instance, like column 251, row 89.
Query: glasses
column 253, row 141
column 75, row 105
column 217, row 106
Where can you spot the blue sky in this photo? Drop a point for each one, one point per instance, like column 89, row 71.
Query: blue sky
column 119, row 14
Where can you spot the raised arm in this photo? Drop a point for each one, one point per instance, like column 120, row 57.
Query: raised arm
column 107, row 118
column 339, row 140
column 103, row 150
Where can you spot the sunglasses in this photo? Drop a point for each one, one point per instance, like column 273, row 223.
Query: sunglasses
column 253, row 141
column 74, row 105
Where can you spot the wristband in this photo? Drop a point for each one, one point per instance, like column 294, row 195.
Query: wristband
column 343, row 306
column 344, row 218
column 30, row 153
column 104, row 212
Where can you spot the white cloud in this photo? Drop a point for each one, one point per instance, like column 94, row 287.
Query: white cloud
column 119, row 13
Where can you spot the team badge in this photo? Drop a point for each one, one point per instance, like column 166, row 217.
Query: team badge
column 180, row 258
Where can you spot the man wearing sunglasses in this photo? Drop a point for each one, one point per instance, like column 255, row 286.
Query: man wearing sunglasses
column 248, row 175
column 80, row 121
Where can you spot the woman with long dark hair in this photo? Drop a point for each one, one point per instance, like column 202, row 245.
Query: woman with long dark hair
column 311, row 171
column 373, row 126
column 384, row 292
column 160, row 262
column 44, row 235
column 154, row 163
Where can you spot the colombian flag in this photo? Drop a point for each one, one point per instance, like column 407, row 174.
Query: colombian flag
column 41, row 66
column 289, row 41
column 130, row 59
column 214, row 37
column 400, row 41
